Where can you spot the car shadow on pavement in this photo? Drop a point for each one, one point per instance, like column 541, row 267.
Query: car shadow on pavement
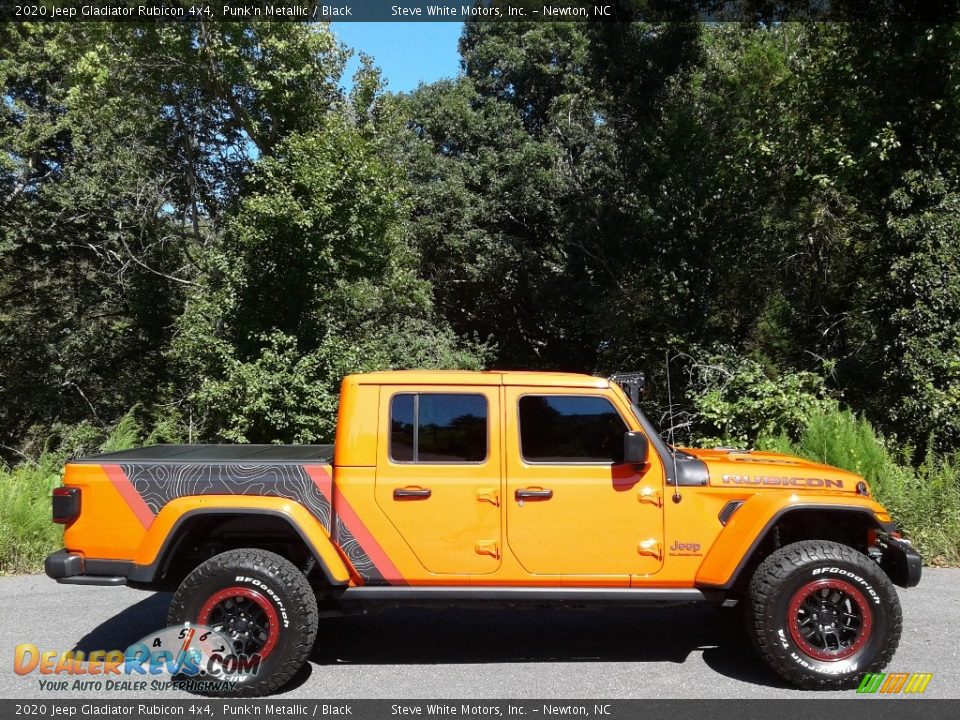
column 414, row 636
column 125, row 628
column 460, row 636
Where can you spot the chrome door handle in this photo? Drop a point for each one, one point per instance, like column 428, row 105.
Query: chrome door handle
column 529, row 494
column 411, row 493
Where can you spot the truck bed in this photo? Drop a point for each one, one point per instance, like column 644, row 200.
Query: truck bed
column 148, row 478
column 245, row 454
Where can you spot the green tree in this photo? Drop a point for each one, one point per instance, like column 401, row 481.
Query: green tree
column 312, row 281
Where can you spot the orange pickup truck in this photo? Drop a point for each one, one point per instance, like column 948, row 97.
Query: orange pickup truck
column 499, row 488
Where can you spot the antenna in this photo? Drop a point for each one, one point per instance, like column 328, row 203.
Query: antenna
column 673, row 449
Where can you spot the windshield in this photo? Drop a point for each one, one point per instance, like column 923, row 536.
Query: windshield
column 652, row 431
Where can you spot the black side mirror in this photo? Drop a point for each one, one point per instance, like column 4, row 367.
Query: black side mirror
column 636, row 447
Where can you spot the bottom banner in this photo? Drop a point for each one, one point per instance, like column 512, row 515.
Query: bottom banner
column 868, row 708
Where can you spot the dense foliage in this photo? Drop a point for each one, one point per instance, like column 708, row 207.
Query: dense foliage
column 199, row 222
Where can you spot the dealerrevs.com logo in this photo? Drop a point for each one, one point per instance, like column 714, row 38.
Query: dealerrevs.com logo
column 894, row 683
column 194, row 658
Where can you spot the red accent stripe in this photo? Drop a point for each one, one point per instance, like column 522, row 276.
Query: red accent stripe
column 129, row 493
column 321, row 478
column 367, row 542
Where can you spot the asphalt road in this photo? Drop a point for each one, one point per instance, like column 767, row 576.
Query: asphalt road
column 688, row 652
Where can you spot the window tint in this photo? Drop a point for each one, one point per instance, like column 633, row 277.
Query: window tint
column 570, row 428
column 401, row 428
column 438, row 428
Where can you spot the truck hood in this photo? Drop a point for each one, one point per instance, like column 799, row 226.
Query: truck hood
column 768, row 470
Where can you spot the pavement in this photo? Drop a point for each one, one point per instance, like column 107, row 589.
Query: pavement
column 682, row 652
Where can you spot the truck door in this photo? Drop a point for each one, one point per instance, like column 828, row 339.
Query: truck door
column 439, row 474
column 573, row 507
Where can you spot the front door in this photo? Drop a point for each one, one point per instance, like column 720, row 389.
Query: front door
column 439, row 475
column 573, row 507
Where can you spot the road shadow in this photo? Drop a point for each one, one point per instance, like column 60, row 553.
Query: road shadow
column 415, row 636
column 129, row 626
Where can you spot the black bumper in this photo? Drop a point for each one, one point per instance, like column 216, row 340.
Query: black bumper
column 901, row 563
column 73, row 569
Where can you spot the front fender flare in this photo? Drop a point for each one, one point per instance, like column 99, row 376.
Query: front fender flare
column 748, row 526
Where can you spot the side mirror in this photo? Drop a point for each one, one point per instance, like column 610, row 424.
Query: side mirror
column 636, row 447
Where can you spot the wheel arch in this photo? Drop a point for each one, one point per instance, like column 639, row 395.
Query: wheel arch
column 172, row 536
column 740, row 549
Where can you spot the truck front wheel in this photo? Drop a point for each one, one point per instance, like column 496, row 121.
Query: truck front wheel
column 822, row 614
column 263, row 605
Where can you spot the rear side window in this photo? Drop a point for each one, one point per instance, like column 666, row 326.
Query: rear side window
column 570, row 429
column 438, row 428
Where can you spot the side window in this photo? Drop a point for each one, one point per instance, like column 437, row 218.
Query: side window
column 438, row 428
column 570, row 429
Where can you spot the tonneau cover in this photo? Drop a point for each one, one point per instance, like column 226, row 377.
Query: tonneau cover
column 246, row 454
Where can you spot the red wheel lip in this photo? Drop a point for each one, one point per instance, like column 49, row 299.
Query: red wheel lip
column 239, row 591
column 794, row 622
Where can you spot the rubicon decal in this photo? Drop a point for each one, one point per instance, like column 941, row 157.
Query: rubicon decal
column 781, row 481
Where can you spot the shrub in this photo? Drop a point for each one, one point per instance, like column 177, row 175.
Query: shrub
column 924, row 500
column 27, row 535
column 735, row 400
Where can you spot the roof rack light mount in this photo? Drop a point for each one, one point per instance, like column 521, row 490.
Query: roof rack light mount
column 633, row 384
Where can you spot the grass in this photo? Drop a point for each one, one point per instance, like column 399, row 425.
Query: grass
column 923, row 499
column 27, row 535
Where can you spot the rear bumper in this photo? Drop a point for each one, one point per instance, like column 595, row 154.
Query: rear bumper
column 900, row 561
column 73, row 569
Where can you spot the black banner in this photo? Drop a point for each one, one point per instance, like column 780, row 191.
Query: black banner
column 849, row 709
column 765, row 11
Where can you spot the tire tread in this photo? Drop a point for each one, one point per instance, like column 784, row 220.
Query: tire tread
column 775, row 569
column 303, row 613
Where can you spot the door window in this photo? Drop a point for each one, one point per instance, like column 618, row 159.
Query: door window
column 570, row 429
column 438, row 428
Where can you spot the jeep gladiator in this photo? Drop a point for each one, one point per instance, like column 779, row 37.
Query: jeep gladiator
column 492, row 488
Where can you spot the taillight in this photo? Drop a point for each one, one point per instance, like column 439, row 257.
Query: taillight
column 66, row 504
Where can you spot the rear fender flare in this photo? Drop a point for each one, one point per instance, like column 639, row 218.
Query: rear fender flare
column 160, row 541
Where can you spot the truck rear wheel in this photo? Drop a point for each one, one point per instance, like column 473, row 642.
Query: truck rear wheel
column 822, row 614
column 263, row 604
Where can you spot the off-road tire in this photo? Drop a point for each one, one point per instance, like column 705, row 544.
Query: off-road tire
column 269, row 578
column 810, row 570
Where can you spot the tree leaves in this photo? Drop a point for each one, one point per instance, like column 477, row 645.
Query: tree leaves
column 197, row 218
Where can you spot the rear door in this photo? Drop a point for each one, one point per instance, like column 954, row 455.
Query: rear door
column 574, row 508
column 439, row 474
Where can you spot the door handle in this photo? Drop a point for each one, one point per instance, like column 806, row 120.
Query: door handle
column 533, row 494
column 411, row 493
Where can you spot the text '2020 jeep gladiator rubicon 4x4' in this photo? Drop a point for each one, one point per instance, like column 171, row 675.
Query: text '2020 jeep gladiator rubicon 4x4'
column 491, row 487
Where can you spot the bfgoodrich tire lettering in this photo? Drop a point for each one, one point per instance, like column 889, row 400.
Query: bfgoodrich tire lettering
column 820, row 584
column 275, row 591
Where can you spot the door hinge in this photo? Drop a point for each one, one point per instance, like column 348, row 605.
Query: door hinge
column 650, row 548
column 489, row 495
column 488, row 547
column 650, row 495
